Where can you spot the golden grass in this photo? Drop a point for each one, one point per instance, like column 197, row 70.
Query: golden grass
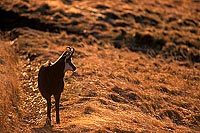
column 9, row 90
column 112, row 90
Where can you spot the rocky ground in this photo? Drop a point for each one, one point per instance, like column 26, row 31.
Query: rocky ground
column 138, row 63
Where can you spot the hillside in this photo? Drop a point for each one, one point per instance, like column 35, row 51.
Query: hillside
column 138, row 64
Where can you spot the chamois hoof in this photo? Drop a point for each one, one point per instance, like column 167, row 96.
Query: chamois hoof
column 58, row 121
column 48, row 122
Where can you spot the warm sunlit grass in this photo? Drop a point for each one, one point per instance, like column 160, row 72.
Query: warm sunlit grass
column 112, row 90
column 9, row 92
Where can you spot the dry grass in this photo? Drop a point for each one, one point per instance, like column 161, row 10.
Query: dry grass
column 9, row 90
column 149, row 84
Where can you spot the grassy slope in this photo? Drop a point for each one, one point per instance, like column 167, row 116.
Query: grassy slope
column 113, row 90
column 10, row 113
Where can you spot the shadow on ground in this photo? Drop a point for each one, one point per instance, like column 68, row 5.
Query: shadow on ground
column 45, row 129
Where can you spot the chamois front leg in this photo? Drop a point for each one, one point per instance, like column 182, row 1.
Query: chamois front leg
column 57, row 99
column 48, row 120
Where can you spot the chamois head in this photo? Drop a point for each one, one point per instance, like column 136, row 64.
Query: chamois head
column 67, row 55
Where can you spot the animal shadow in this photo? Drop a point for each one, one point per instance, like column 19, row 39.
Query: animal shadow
column 45, row 129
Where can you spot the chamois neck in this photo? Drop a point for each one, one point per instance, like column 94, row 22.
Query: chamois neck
column 59, row 66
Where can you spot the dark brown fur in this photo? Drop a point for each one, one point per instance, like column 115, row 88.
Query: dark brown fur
column 50, row 81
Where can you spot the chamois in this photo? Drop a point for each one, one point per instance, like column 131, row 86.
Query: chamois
column 51, row 82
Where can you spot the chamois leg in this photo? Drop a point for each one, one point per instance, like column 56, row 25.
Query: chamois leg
column 57, row 99
column 48, row 121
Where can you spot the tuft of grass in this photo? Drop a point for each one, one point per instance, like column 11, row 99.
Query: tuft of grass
column 9, row 90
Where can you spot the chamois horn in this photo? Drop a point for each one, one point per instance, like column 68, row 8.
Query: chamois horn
column 71, row 50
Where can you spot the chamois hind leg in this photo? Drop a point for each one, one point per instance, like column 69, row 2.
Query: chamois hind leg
column 57, row 99
column 48, row 120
